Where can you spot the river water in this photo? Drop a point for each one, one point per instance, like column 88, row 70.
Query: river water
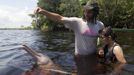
column 59, row 46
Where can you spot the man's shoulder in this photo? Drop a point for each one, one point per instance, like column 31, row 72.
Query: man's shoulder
column 73, row 18
column 100, row 25
column 100, row 22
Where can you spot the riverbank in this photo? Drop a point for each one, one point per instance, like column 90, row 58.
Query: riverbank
column 16, row 29
column 123, row 30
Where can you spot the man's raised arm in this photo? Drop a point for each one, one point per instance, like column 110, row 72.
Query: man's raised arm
column 52, row 16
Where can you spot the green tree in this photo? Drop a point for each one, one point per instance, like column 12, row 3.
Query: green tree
column 116, row 13
column 63, row 7
column 70, row 8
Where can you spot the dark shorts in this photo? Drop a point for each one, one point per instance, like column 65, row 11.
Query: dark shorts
column 85, row 64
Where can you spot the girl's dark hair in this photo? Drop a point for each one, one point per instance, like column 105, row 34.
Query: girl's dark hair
column 109, row 32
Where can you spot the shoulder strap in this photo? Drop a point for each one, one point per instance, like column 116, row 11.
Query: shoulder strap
column 105, row 47
column 114, row 46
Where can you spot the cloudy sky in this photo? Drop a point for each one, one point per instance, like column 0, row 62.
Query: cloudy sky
column 14, row 13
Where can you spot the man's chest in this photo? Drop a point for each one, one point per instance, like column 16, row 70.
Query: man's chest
column 89, row 30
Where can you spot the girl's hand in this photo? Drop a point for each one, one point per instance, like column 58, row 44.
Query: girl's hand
column 101, row 52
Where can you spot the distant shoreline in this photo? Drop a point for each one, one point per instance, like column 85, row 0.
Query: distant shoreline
column 123, row 30
column 16, row 29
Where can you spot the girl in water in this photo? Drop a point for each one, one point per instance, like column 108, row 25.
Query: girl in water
column 111, row 58
column 111, row 51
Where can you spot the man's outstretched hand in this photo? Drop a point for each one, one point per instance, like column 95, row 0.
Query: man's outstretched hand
column 38, row 10
column 52, row 16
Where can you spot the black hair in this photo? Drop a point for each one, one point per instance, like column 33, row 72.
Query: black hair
column 95, row 14
column 109, row 32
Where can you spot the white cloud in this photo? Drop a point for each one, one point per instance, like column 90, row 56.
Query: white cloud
column 34, row 0
column 14, row 17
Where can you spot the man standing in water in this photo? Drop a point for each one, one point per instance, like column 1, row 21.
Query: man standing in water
column 86, row 32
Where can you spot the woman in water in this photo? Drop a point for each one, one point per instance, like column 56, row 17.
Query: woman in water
column 111, row 51
column 111, row 54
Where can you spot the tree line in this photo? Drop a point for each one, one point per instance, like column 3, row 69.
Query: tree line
column 115, row 13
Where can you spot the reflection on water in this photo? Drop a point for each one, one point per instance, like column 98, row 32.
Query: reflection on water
column 59, row 46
